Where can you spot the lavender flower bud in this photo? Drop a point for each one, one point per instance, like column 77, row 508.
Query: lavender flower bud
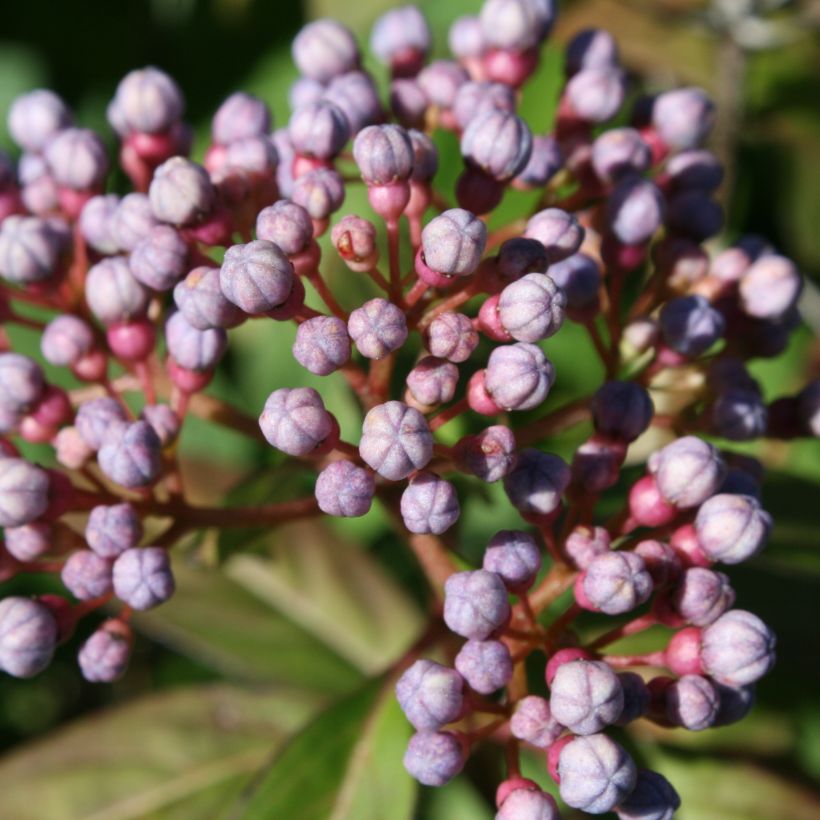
column 21, row 382
column 485, row 665
column 490, row 455
column 377, row 328
column 514, row 556
column 532, row 308
column 441, row 80
column 653, row 798
column 160, row 260
column 618, row 153
column 96, row 223
column 545, row 161
column 358, row 97
column 735, row 704
column 34, row 118
column 401, row 39
column 732, row 528
column 579, row 277
column 584, row 544
column 519, row 376
column 636, row 698
column 181, row 192
column 191, row 348
column 130, row 455
column 688, row 471
column 465, row 37
column 384, row 154
column 112, row 292
column 429, row 504
column 304, row 91
column 77, row 159
column 453, row 242
column 475, row 604
column 621, row 410
column 147, row 101
column 103, row 658
column 38, row 190
column 591, row 48
column 586, row 696
column 537, row 482
column 596, row 94
column 344, row 489
column 319, row 130
column 295, row 420
column 95, row 416
column 320, row 192
column 434, row 758
column 702, row 595
column 770, row 287
column 240, row 116
column 143, row 577
column 516, row 25
column 132, row 221
column 498, row 142
column 287, row 225
column 396, row 440
column 430, row 695
column 558, row 231
column 23, row 492
column 286, row 153
column 596, row 774
column 111, row 530
column 408, row 103
column 683, row 117
column 28, row 542
column 692, row 702
column 528, row 804
column 694, row 170
column 452, row 336
column 200, row 300
column 256, row 277
column 86, row 575
column 28, row 250
column 322, row 345
column 432, row 381
column 325, row 49
column 28, row 636
column 635, row 210
column 737, row 649
column 739, row 415
column 474, row 98
column 616, row 582
column 533, row 722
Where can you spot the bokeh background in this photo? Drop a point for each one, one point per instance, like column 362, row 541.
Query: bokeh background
column 267, row 630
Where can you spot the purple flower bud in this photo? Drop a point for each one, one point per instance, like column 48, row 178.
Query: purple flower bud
column 401, row 39
column 28, row 636
column 377, row 328
column 181, row 192
column 23, row 492
column 585, row 543
column 579, row 276
column 533, row 722
column 320, row 192
column 429, row 504
column 164, row 420
column 160, row 260
column 432, row 381
column 112, row 530
column 319, row 130
column 688, row 471
column 514, row 556
column 475, row 98
column 692, row 702
column 735, row 704
column 396, row 440
column 537, row 482
column 489, row 455
column 695, row 215
column 256, row 277
column 147, row 101
column 241, row 115
column 132, row 221
column 739, row 415
column 452, row 336
column 516, row 25
column 249, row 155
column 29, row 250
column 475, row 604
column 28, row 542
column 434, row 758
column 520, row 256
column 528, row 804
column 694, row 170
column 596, row 94
column 661, row 561
column 770, row 287
column 498, row 142
column 545, row 161
column 77, row 159
column 532, row 308
column 690, row 325
column 21, row 382
column 322, row 345
column 384, row 154
column 95, row 416
column 344, row 489
column 357, row 96
column 618, row 153
column 558, row 231
column 485, row 665
column 200, row 300
column 636, row 698
column 465, row 37
column 591, row 48
column 324, row 49
column 96, row 223
column 34, row 118
column 621, row 410
column 112, row 292
column 408, row 102
column 586, row 696
column 441, row 80
column 304, row 91
column 519, row 376
column 287, row 225
column 635, row 210
column 453, row 242
column 430, row 695
column 284, row 170
column 653, row 798
column 103, row 658
column 809, row 408
column 616, row 582
column 38, row 190
column 191, row 348
column 143, row 577
column 130, row 454
column 737, row 649
column 295, row 420
column 86, row 575
column 732, row 528
column 596, row 774
column 702, row 595
column 683, row 117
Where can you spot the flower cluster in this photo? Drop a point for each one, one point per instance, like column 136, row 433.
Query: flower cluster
column 141, row 291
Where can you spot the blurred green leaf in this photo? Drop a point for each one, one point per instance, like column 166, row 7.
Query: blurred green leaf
column 458, row 801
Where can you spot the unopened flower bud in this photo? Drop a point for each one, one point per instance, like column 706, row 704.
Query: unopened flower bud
column 130, row 455
column 618, row 153
column 485, row 665
column 683, row 117
column 21, row 382
column 692, row 701
column 430, row 695
column 112, row 292
column 384, row 154
column 498, row 142
column 489, row 455
column 344, row 489
column 770, row 287
column 377, row 328
column 77, row 159
column 579, row 276
column 295, row 420
column 475, row 604
column 143, row 577
column 96, row 223
column 475, row 98
column 653, row 798
column 688, row 471
column 739, row 415
column 558, row 231
column 519, row 376
column 737, row 649
column 532, row 308
column 515, row 24
column 320, row 192
column 181, row 192
column 408, row 102
column 636, row 698
column 357, row 96
column 191, row 348
column 432, row 381
column 466, row 38
column 614, row 583
column 537, row 482
column 586, row 696
column 34, row 118
column 200, row 300
column 28, row 636
column 434, row 758
column 147, row 101
column 545, row 161
column 29, row 250
column 322, row 345
column 325, row 49
column 585, row 543
column 635, row 210
column 429, row 504
column 103, row 658
column 595, row 95
column 528, row 804
column 441, row 81
column 396, row 440
column 702, row 595
column 401, row 39
column 23, row 492
column 86, row 575
column 132, row 220
column 95, row 416
column 514, row 556
column 355, row 240
column 732, row 528
column 111, row 530
column 533, row 722
column 452, row 336
column 453, row 242
column 318, row 130
column 287, row 225
column 241, row 115
column 591, row 48
column 256, row 277
column 622, row 410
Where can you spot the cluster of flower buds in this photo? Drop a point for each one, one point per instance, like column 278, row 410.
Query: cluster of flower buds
column 140, row 292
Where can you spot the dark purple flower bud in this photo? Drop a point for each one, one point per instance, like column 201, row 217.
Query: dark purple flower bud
column 408, row 102
column 692, row 702
column 520, row 256
column 132, row 221
column 95, row 416
column 241, row 115
column 586, row 696
column 475, row 604
column 28, row 542
column 809, row 408
column 148, row 101
column 21, row 382
column 702, row 596
column 653, row 798
column 23, row 492
column 28, row 636
column 324, row 49
column 192, row 348
column 401, row 39
column 441, row 80
column 591, row 48
column 516, row 25
column 434, row 758
column 430, row 695
column 452, row 336
column 256, row 277
column 528, row 804
column 596, row 94
column 739, row 415
column 143, row 577
column 112, row 530
column 537, row 482
column 475, row 98
column 683, row 117
column 485, row 665
column 86, row 575
column 596, row 774
column 130, row 454
column 181, row 192
column 732, row 528
column 96, row 223
column 636, row 698
column 304, row 91
column 498, row 142
column 735, row 704
column 545, row 161
column 384, row 154
column 160, row 260
column 453, row 242
column 200, row 300
column 737, row 649
column 614, row 583
column 357, row 96
column 558, row 231
column 29, row 250
column 688, row 471
column 585, row 543
column 694, row 170
column 287, row 225
column 295, row 420
column 318, row 130
column 533, row 722
column 579, row 276
column 661, row 561
column 344, row 489
column 621, row 410
column 35, row 117
column 466, row 38
column 377, row 328
column 112, row 292
column 532, row 308
column 322, row 345
column 320, row 192
column 618, row 153
column 490, row 454
column 103, row 658
column 597, row 463
column 690, row 325
column 635, row 210
column 770, row 287
column 285, row 152
column 514, row 556
column 429, row 504
column 77, row 159
column 730, row 373
column 519, row 376
column 432, row 381
column 164, row 420
column 396, row 440
column 695, row 215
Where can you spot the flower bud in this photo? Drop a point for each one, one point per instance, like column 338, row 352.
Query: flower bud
column 516, row 25
column 181, row 192
column 432, row 381
column 295, row 420
column 241, row 115
column 586, row 696
column 688, row 471
column 466, row 38
column 28, row 636
column 476, row 98
column 287, row 225
column 694, row 170
column 619, row 153
column 735, row 704
column 695, row 215
column 396, row 440
column 143, row 577
column 130, row 455
column 519, row 256
column 384, row 154
column 739, row 415
column 489, row 455
column 808, row 405
column 498, row 142
column 532, row 308
column 322, row 345
column 95, row 416
column 103, row 658
column 537, row 482
column 702, row 596
column 28, row 542
column 112, row 292
column 35, row 117
column 111, row 530
column 132, row 221
column 441, row 81
column 514, row 556
column 451, row 336
column 77, row 159
column 579, row 277
column 596, row 95
column 429, row 504
column 147, row 101
column 653, row 798
column 355, row 240
column 377, row 328
column 528, row 804
column 408, row 103
column 636, row 698
column 614, row 583
column 21, row 382
column 585, row 543
column 191, row 348
column 434, row 758
column 160, row 260
column 692, row 701
column 533, row 722
column 485, row 665
column 96, row 223
column 770, row 287
column 591, row 48
column 23, row 492
column 558, row 231
column 325, row 49
column 519, row 376
column 430, row 695
column 683, row 117
column 475, row 604
column 545, row 161
column 597, row 463
column 304, row 91
column 200, row 300
column 86, row 575
column 357, row 96
column 635, row 210
column 732, row 528
column 453, row 242
column 344, row 489
column 65, row 340
column 287, row 154
column 401, row 39
column 29, row 250
column 621, row 410
column 320, row 192
column 256, row 277
column 318, row 130
column 737, row 649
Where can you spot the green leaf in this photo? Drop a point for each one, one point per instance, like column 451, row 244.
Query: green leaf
column 458, row 800
column 346, row 765
column 182, row 754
